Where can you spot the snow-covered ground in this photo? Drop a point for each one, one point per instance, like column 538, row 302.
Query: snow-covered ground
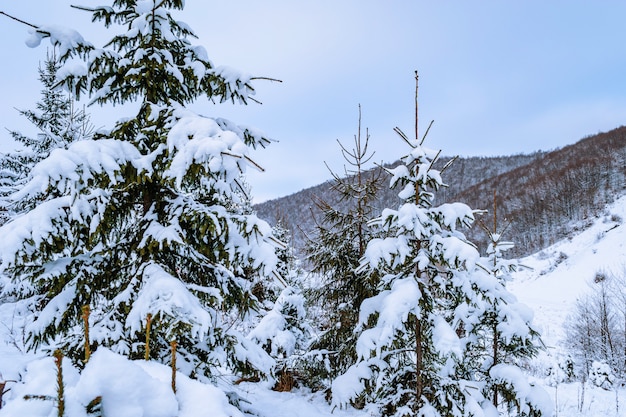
column 558, row 275
column 555, row 277
column 550, row 285
column 134, row 388
column 137, row 389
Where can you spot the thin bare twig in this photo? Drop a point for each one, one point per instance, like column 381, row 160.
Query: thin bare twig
column 266, row 79
column 403, row 136
column 449, row 163
column 22, row 21
column 257, row 166
column 86, row 9
column 426, row 133
column 416, row 112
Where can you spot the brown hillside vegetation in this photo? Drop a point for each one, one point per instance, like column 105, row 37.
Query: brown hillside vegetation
column 545, row 195
column 558, row 193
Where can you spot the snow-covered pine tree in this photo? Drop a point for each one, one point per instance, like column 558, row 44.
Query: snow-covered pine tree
column 334, row 252
column 413, row 332
column 283, row 331
column 58, row 123
column 142, row 223
column 498, row 333
column 409, row 355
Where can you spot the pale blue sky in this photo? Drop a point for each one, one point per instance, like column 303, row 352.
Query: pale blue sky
column 498, row 77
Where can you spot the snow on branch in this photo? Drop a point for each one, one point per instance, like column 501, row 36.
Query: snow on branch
column 68, row 169
column 216, row 144
column 165, row 296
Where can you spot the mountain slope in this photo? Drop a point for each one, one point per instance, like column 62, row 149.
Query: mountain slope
column 555, row 277
column 553, row 280
column 558, row 193
column 546, row 195
column 299, row 213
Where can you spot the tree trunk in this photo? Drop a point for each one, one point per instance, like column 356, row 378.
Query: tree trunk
column 418, row 363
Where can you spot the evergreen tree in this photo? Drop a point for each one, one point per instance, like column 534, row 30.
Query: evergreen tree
column 407, row 358
column 414, row 331
column 500, row 336
column 145, row 221
column 283, row 331
column 58, row 123
column 334, row 253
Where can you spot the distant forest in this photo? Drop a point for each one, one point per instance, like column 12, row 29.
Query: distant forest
column 543, row 196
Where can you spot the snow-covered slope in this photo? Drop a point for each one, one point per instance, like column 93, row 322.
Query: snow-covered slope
column 550, row 285
column 555, row 277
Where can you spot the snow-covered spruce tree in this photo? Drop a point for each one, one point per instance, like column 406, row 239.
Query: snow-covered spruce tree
column 412, row 333
column 284, row 333
column 498, row 334
column 58, row 124
column 407, row 358
column 283, row 330
column 334, row 252
column 142, row 223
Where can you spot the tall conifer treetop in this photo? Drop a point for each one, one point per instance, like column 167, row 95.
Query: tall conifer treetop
column 143, row 218
column 153, row 60
column 334, row 253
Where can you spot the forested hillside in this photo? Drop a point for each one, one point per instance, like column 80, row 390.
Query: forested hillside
column 558, row 193
column 544, row 195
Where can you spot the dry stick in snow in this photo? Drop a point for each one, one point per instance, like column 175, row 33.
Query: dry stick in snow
column 3, row 384
column 148, row 326
column 174, row 345
column 58, row 361
column 85, row 316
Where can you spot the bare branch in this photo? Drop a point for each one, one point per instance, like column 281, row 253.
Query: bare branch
column 257, row 166
column 84, row 8
column 426, row 133
column 266, row 79
column 23, row 22
column 403, row 136
column 449, row 163
column 434, row 160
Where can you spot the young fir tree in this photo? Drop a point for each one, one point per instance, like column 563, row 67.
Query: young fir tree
column 283, row 331
column 413, row 331
column 334, row 253
column 144, row 221
column 58, row 124
column 502, row 336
